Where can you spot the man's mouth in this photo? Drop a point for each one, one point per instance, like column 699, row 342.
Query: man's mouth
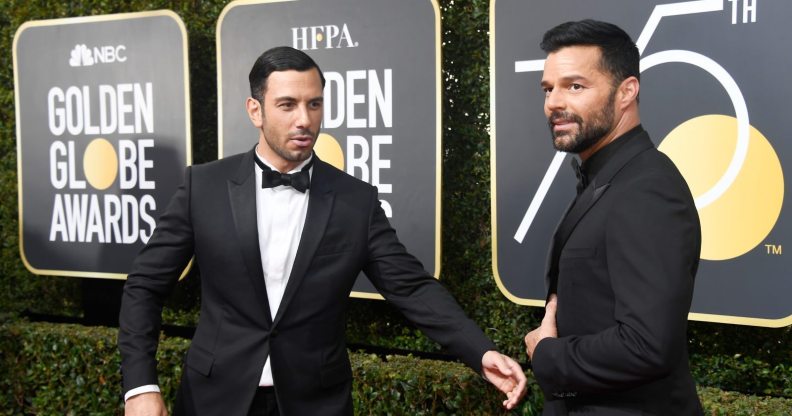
column 302, row 140
column 562, row 125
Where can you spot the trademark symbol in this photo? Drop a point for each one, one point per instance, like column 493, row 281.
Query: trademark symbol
column 774, row 249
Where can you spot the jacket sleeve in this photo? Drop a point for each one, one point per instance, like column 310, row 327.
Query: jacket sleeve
column 423, row 300
column 155, row 271
column 652, row 243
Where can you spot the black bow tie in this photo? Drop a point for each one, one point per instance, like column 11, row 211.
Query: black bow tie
column 300, row 181
column 581, row 176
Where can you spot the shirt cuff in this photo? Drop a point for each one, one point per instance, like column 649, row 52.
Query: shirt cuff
column 148, row 388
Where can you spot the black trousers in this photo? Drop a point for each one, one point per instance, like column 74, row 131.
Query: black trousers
column 264, row 403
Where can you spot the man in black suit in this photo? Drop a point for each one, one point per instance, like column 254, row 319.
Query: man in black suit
column 623, row 259
column 279, row 237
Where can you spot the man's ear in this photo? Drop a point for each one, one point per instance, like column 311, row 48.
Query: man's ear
column 255, row 111
column 628, row 91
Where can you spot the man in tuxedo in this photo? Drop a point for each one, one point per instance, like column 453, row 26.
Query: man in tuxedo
column 279, row 238
column 623, row 259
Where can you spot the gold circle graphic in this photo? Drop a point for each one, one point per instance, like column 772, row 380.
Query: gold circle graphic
column 328, row 149
column 100, row 163
column 744, row 215
column 319, row 37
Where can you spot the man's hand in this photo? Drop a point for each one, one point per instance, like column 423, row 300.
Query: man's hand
column 505, row 374
column 146, row 404
column 547, row 329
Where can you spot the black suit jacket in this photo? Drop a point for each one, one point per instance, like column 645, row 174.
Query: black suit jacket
column 622, row 262
column 213, row 216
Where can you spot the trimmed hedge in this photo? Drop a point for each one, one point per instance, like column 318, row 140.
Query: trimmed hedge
column 751, row 360
column 72, row 369
column 404, row 385
column 727, row 403
column 740, row 358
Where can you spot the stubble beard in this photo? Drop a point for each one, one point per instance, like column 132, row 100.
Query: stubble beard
column 587, row 133
column 295, row 155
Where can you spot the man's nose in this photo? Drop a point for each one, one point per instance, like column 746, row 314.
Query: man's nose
column 554, row 100
column 303, row 119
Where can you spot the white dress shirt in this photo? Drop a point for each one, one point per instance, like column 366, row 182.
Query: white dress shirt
column 280, row 216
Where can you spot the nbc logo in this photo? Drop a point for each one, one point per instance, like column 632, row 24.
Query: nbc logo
column 82, row 55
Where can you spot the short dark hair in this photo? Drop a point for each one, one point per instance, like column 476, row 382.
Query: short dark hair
column 280, row 58
column 620, row 57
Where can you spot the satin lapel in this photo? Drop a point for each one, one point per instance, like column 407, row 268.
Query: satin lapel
column 585, row 201
column 320, row 204
column 598, row 186
column 242, row 194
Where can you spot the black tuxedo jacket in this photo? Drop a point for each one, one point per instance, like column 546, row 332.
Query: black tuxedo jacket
column 622, row 262
column 213, row 216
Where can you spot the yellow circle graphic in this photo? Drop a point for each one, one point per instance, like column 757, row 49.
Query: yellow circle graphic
column 328, row 149
column 319, row 37
column 745, row 214
column 100, row 163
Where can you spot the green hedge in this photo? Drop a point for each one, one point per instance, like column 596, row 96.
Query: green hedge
column 752, row 360
column 69, row 369
column 747, row 359
column 74, row 370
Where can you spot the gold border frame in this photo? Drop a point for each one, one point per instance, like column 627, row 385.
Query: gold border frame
column 704, row 317
column 493, row 175
column 188, row 122
column 438, row 124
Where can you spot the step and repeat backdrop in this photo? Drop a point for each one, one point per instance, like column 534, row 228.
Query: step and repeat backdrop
column 103, row 129
column 712, row 98
column 103, row 136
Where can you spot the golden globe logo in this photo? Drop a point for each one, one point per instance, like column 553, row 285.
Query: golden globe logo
column 325, row 37
column 79, row 214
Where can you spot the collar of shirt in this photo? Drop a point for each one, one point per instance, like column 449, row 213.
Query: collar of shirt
column 593, row 165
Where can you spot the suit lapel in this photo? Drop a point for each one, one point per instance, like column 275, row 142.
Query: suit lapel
column 590, row 196
column 584, row 202
column 320, row 204
column 242, row 195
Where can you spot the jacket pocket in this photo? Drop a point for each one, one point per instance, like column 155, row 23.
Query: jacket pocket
column 578, row 252
column 200, row 360
column 329, row 249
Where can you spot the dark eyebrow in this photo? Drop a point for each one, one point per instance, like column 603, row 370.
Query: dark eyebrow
column 290, row 98
column 569, row 79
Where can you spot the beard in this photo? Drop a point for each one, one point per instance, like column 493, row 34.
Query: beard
column 292, row 155
column 588, row 133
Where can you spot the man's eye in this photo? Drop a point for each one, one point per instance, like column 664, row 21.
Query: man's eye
column 286, row 106
column 575, row 87
column 316, row 104
column 547, row 91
